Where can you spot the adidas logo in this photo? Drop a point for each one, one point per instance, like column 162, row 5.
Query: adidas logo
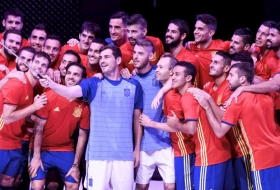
column 56, row 109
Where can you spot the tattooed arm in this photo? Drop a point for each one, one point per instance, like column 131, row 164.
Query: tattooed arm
column 36, row 160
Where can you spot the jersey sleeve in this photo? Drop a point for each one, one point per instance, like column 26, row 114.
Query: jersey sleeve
column 12, row 92
column 84, row 123
column 172, row 102
column 232, row 113
column 89, row 87
column 190, row 107
column 138, row 101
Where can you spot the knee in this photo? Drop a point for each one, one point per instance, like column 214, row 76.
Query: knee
column 35, row 185
column 72, row 186
column 7, row 181
column 142, row 186
column 52, row 185
column 169, row 186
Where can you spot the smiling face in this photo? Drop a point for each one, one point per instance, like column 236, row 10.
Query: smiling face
column 201, row 32
column 261, row 36
column 172, row 36
column 73, row 76
column 40, row 65
column 178, row 78
column 13, row 42
column 236, row 45
column 163, row 69
column 117, row 29
column 37, row 39
column 52, row 48
column 108, row 63
column 134, row 33
column 67, row 58
column 94, row 53
column 273, row 39
column 86, row 38
column 26, row 56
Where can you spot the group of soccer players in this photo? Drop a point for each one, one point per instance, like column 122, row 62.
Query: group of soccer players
column 107, row 112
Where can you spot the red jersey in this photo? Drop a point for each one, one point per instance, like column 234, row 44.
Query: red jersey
column 186, row 55
column 209, row 149
column 62, row 117
column 255, row 115
column 204, row 57
column 127, row 53
column 234, row 135
column 181, row 142
column 90, row 71
column 9, row 64
column 15, row 93
column 267, row 66
column 23, row 43
column 63, row 50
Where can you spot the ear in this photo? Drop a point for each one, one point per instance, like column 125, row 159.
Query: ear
column 188, row 78
column 119, row 60
column 227, row 68
column 211, row 33
column 145, row 31
column 21, row 25
column 247, row 47
column 242, row 80
column 79, row 36
column 183, row 36
column 3, row 23
column 151, row 56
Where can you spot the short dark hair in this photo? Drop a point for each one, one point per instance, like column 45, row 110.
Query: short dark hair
column 90, row 27
column 246, row 35
column 120, row 15
column 189, row 69
column 209, row 20
column 54, row 37
column 84, row 71
column 27, row 48
column 137, row 19
column 40, row 27
column 14, row 12
column 146, row 43
column 226, row 56
column 115, row 50
column 267, row 23
column 42, row 54
column 275, row 25
column 173, row 60
column 245, row 69
column 242, row 57
column 182, row 25
column 12, row 31
column 100, row 41
column 71, row 52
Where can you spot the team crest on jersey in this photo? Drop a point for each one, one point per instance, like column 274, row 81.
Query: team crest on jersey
column 155, row 83
column 131, row 62
column 219, row 100
column 77, row 112
column 154, row 58
column 126, row 92
column 213, row 53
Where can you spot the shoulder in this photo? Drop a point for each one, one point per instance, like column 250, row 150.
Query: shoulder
column 155, row 40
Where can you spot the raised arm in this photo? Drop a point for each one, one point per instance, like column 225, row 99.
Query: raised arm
column 71, row 92
column 189, row 127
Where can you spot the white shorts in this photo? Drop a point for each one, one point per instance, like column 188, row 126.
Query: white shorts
column 163, row 159
column 103, row 175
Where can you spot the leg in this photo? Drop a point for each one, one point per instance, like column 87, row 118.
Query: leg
column 125, row 180
column 165, row 163
column 52, row 179
column 38, row 184
column 145, row 170
column 267, row 179
column 242, row 172
column 98, row 174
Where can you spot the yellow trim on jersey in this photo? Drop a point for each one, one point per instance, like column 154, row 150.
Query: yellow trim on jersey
column 240, row 141
column 253, row 166
column 203, row 151
column 1, row 122
column 181, row 144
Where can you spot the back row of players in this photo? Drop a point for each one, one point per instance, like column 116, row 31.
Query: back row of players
column 217, row 143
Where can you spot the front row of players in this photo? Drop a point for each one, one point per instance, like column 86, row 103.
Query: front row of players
column 203, row 145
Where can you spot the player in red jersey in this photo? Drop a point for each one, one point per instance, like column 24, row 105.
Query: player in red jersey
column 12, row 39
column 52, row 47
column 176, row 34
column 183, row 146
column 263, row 139
column 241, row 41
column 54, row 127
column 38, row 37
column 17, row 101
column 13, row 19
column 267, row 62
column 88, row 32
column 273, row 42
column 205, row 46
column 91, row 61
column 137, row 29
column 213, row 169
column 216, row 94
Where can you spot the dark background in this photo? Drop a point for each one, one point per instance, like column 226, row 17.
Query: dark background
column 64, row 17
